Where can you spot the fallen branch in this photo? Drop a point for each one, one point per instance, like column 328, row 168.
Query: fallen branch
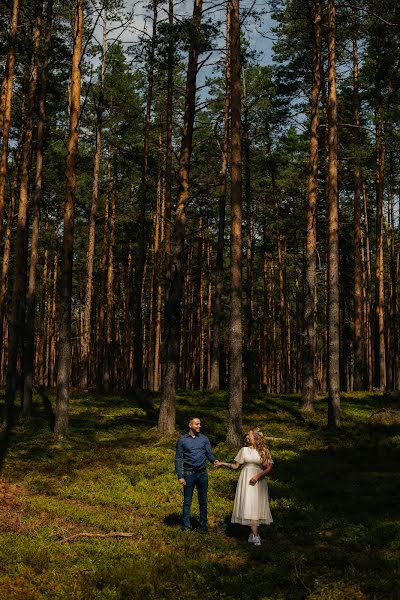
column 111, row 534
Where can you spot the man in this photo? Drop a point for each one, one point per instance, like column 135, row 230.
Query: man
column 192, row 451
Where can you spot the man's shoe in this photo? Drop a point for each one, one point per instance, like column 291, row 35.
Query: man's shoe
column 257, row 540
column 251, row 538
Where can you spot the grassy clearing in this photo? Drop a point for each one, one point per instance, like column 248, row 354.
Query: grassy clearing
column 335, row 503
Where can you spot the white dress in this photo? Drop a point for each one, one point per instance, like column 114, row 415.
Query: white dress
column 251, row 505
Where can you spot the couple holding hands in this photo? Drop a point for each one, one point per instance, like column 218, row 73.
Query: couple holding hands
column 251, row 505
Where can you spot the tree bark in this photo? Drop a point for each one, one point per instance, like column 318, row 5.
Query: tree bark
column 169, row 132
column 6, row 116
column 29, row 350
column 103, row 269
column 17, row 316
column 234, row 432
column 7, row 245
column 167, row 416
column 87, row 318
column 358, row 321
column 219, row 263
column 333, row 230
column 64, row 360
column 309, row 391
column 380, row 354
column 142, row 246
column 108, row 367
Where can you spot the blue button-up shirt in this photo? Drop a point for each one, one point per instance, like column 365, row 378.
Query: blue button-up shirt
column 192, row 453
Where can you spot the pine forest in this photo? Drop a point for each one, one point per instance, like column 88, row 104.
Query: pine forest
column 199, row 218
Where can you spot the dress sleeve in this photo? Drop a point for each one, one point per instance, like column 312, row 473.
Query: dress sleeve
column 240, row 456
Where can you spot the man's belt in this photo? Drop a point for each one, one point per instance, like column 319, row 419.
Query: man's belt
column 203, row 470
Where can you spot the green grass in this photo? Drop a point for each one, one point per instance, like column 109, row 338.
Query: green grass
column 334, row 500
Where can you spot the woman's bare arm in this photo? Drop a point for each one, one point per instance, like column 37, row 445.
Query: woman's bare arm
column 234, row 465
column 255, row 478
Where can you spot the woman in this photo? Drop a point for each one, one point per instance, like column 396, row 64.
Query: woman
column 251, row 505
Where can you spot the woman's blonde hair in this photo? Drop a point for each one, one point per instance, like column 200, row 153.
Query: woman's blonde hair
column 260, row 445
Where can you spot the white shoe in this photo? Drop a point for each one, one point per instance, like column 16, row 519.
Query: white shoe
column 257, row 540
column 251, row 538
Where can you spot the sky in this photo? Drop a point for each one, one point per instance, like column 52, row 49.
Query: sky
column 258, row 33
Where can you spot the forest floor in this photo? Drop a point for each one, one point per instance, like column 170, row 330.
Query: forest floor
column 334, row 500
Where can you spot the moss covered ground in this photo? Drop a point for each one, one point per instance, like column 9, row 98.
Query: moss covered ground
column 334, row 500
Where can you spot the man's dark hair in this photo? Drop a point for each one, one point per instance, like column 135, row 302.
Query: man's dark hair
column 193, row 418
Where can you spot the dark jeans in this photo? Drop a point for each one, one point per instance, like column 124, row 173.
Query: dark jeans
column 200, row 481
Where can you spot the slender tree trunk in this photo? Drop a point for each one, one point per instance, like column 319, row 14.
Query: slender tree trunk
column 169, row 132
column 309, row 391
column 368, row 296
column 155, row 296
column 142, row 245
column 395, row 279
column 358, row 330
column 64, row 361
column 52, row 343
column 380, row 354
column 333, row 231
column 234, row 432
column 219, row 266
column 108, row 370
column 87, row 318
column 103, row 269
column 282, row 301
column 167, row 415
column 159, row 237
column 17, row 317
column 393, row 316
column 29, row 350
column 209, row 315
column 7, row 246
column 6, row 116
column 198, row 325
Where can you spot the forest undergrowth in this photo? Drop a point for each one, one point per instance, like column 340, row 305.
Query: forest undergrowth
column 334, row 500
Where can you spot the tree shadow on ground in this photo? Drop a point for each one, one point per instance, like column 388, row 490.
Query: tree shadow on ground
column 48, row 411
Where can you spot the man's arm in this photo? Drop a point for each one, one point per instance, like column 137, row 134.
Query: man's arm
column 209, row 452
column 179, row 458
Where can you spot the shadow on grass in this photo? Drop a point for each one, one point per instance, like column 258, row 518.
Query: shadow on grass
column 334, row 500
column 47, row 407
column 4, row 443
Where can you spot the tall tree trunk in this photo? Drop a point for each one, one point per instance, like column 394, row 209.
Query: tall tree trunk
column 6, row 116
column 198, row 302
column 64, row 361
column 52, row 341
column 358, row 330
column 87, row 317
column 393, row 316
column 234, row 432
column 7, row 245
column 166, row 422
column 29, row 349
column 169, row 132
column 368, row 296
column 142, row 245
column 380, row 354
column 219, row 263
column 108, row 370
column 282, row 299
column 158, row 237
column 103, row 269
column 17, row 317
column 333, row 230
column 309, row 391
